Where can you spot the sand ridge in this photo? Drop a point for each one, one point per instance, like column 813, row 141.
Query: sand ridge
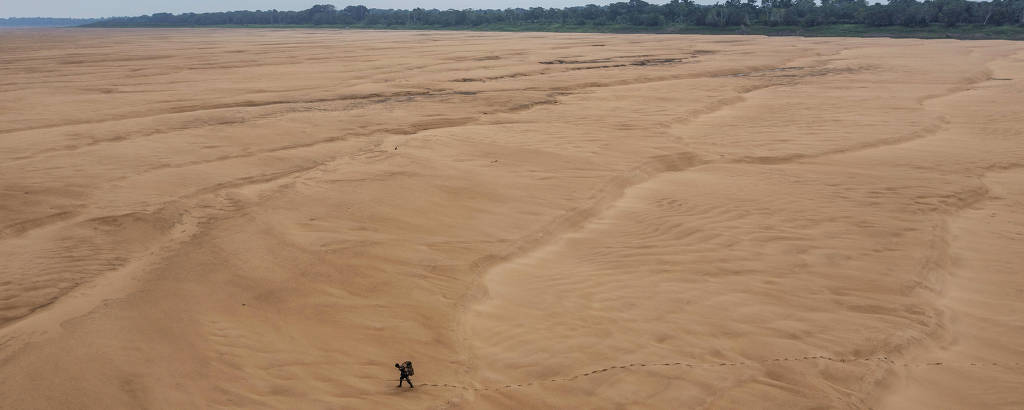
column 271, row 218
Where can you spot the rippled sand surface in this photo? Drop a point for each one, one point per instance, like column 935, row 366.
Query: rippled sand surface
column 205, row 218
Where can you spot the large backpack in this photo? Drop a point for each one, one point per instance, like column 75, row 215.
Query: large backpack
column 408, row 368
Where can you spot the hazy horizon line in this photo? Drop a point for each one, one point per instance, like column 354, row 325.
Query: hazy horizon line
column 314, row 2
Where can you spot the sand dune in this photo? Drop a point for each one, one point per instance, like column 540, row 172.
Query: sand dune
column 271, row 218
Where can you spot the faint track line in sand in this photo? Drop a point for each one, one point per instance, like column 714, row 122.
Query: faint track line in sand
column 370, row 96
column 244, row 104
column 737, row 72
column 25, row 226
column 410, row 129
column 979, row 77
column 716, row 365
column 552, row 99
column 923, row 132
column 28, row 225
column 942, row 122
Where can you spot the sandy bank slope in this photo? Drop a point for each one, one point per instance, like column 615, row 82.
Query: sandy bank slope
column 269, row 219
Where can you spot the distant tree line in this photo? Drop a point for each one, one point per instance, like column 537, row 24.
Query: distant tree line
column 637, row 13
column 43, row 22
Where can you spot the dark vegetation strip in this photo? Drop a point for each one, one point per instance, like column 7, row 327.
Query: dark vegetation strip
column 43, row 22
column 898, row 18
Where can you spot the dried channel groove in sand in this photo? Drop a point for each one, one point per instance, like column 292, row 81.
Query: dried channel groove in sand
column 271, row 218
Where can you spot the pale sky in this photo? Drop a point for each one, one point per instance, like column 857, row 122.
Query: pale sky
column 107, row 8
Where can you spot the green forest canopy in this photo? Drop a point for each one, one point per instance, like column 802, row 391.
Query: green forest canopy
column 634, row 13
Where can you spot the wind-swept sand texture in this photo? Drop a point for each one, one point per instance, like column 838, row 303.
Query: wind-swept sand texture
column 272, row 218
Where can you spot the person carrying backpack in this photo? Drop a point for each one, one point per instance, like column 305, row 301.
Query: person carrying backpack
column 406, row 371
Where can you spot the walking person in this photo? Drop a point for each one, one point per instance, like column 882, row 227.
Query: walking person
column 406, row 371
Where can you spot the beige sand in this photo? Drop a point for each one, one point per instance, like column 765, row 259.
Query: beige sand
column 271, row 219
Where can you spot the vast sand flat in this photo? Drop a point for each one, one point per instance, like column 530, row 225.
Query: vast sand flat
column 272, row 218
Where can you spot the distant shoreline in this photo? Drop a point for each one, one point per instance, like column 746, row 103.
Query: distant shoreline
column 836, row 30
column 44, row 22
column 959, row 19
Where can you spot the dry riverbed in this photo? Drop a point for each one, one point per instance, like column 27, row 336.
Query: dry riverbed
column 243, row 218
